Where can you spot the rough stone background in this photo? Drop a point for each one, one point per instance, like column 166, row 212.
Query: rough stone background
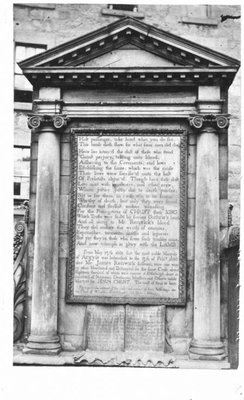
column 53, row 24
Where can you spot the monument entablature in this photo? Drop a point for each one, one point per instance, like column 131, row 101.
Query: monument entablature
column 180, row 62
column 128, row 196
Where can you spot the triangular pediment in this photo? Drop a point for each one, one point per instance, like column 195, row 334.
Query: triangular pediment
column 128, row 56
column 130, row 51
column 128, row 31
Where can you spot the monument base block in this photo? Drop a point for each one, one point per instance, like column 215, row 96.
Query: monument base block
column 43, row 345
column 206, row 350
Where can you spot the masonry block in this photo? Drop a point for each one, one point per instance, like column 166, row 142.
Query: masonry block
column 105, row 327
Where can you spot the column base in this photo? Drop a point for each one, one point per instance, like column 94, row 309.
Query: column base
column 46, row 345
column 206, row 350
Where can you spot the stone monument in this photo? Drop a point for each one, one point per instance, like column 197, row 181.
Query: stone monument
column 128, row 200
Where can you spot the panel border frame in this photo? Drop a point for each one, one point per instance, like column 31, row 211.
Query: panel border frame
column 69, row 295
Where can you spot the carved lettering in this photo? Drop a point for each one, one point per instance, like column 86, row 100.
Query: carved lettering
column 127, row 234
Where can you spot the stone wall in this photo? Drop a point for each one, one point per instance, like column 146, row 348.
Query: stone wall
column 53, row 24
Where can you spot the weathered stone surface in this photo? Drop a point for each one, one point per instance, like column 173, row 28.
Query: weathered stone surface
column 30, row 245
column 234, row 181
column 72, row 342
column 43, row 336
column 223, row 163
column 34, row 151
column 49, row 93
column 223, row 212
column 30, row 276
column 190, row 243
column 209, row 92
column 64, row 185
column 131, row 96
column 223, row 189
column 191, row 169
column 180, row 320
column 22, row 134
column 206, row 339
column 76, row 356
column 65, row 167
column 191, row 212
column 62, row 277
column 134, row 58
column 33, row 167
column 32, row 208
column 33, row 182
column 224, row 278
column 235, row 169
column 190, row 281
column 223, row 137
column 235, row 152
column 192, row 139
column 224, row 320
column 63, row 245
column 145, row 328
column 65, row 152
column 191, row 179
column 181, row 345
column 105, row 327
column 71, row 318
column 64, row 209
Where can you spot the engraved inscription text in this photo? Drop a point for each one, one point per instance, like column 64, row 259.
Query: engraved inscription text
column 127, row 235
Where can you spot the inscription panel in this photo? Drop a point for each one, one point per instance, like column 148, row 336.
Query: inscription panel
column 128, row 218
column 145, row 328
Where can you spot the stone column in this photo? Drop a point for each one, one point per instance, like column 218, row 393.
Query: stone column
column 206, row 343
column 43, row 338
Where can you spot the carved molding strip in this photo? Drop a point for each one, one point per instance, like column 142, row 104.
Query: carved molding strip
column 139, row 77
column 19, row 274
column 57, row 121
column 124, row 359
column 219, row 121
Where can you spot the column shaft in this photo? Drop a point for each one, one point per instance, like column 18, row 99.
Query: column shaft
column 206, row 342
column 43, row 338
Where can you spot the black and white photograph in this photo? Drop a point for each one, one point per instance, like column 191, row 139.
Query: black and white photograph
column 126, row 190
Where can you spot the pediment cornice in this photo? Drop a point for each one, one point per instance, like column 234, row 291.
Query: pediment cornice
column 158, row 77
column 68, row 58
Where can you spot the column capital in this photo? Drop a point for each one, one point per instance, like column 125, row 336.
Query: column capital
column 216, row 121
column 37, row 120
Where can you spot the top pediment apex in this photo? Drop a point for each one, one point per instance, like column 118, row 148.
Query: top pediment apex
column 129, row 31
